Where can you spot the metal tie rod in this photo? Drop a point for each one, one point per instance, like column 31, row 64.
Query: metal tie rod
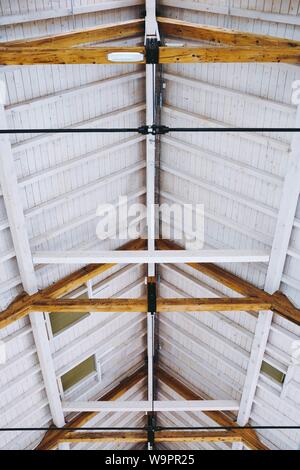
column 145, row 130
column 157, row 428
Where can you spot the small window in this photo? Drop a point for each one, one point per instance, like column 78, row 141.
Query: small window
column 78, row 373
column 61, row 320
column 272, row 372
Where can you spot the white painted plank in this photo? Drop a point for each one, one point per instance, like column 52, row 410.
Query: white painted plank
column 157, row 256
column 146, row 406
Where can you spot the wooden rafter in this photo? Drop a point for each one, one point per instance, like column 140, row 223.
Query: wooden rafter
column 107, row 32
column 54, row 436
column 199, row 32
column 248, row 436
column 280, row 304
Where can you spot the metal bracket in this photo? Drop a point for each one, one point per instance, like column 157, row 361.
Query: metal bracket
column 151, row 431
column 151, row 295
column 152, row 50
column 159, row 130
column 153, row 130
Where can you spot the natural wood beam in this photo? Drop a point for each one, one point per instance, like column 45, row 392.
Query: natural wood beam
column 210, row 304
column 248, row 436
column 105, row 32
column 90, row 305
column 18, row 309
column 196, row 436
column 21, row 307
column 186, row 55
column 40, row 303
column 140, row 305
column 77, row 55
column 160, row 436
column 53, row 437
column 200, row 32
column 279, row 302
column 101, row 437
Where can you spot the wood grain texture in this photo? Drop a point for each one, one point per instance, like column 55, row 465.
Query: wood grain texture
column 140, row 305
column 200, row 32
column 91, row 305
column 79, row 55
column 116, row 436
column 197, row 436
column 160, row 436
column 230, row 54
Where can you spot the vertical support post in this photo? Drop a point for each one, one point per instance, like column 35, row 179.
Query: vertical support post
column 150, row 163
column 151, row 31
column 151, row 296
column 15, row 214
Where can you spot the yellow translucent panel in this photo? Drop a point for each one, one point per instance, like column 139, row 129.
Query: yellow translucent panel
column 272, row 372
column 78, row 373
column 61, row 320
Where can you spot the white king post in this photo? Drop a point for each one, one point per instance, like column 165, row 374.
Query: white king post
column 151, row 32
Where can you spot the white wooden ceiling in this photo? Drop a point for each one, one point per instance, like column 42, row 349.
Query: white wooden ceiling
column 240, row 179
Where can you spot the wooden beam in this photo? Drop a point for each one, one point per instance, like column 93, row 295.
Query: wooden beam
column 53, row 437
column 196, row 436
column 21, row 307
column 279, row 302
column 248, row 436
column 160, row 436
column 78, row 55
column 167, row 55
column 90, row 305
column 187, row 55
column 140, row 305
column 101, row 437
column 210, row 304
column 104, row 33
column 200, row 32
